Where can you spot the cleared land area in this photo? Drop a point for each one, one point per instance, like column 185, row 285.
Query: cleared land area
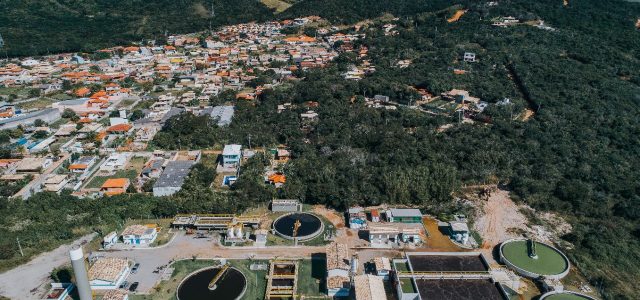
column 278, row 5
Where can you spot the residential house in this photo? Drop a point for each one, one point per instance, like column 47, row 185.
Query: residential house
column 82, row 165
column 33, row 165
column 55, row 182
column 153, row 168
column 115, row 186
column 277, row 179
column 231, row 155
column 120, row 129
column 469, row 57
column 116, row 161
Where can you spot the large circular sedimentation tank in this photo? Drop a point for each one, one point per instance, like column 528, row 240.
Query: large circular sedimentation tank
column 550, row 262
column 566, row 295
column 231, row 285
column 310, row 226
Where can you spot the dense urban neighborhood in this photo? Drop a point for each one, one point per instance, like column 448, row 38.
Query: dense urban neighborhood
column 304, row 149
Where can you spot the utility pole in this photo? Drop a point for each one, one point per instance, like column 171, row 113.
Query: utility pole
column 19, row 247
column 213, row 12
column 249, row 137
column 2, row 46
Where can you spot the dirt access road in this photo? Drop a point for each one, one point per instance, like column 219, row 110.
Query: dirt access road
column 24, row 281
column 498, row 221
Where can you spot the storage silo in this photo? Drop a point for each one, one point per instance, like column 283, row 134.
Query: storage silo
column 81, row 274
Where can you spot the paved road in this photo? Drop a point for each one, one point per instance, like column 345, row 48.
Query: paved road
column 23, row 282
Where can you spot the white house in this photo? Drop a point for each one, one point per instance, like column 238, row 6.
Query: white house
column 140, row 234
column 55, row 182
column 231, row 155
column 115, row 161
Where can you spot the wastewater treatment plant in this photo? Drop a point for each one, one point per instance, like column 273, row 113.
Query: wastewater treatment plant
column 534, row 259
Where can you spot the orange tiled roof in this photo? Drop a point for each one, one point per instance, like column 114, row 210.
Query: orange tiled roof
column 83, row 91
column 119, row 128
column 131, row 49
column 78, row 167
column 101, row 136
column 115, row 183
column 277, row 178
column 302, row 38
column 98, row 94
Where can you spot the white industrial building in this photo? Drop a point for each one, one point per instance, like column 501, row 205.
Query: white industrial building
column 172, row 178
column 108, row 273
column 139, row 234
column 369, row 287
column 338, row 280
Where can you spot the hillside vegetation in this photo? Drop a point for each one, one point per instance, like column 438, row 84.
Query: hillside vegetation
column 38, row 27
column 577, row 156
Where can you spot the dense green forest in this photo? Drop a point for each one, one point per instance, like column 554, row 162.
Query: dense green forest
column 31, row 27
column 578, row 155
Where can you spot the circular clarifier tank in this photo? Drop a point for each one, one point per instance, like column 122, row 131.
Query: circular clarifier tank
column 310, row 226
column 566, row 295
column 230, row 286
column 547, row 261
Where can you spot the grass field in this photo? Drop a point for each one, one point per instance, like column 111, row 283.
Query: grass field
column 98, row 181
column 18, row 91
column 256, row 282
column 278, row 5
column 125, row 103
column 549, row 261
column 311, row 276
column 39, row 103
